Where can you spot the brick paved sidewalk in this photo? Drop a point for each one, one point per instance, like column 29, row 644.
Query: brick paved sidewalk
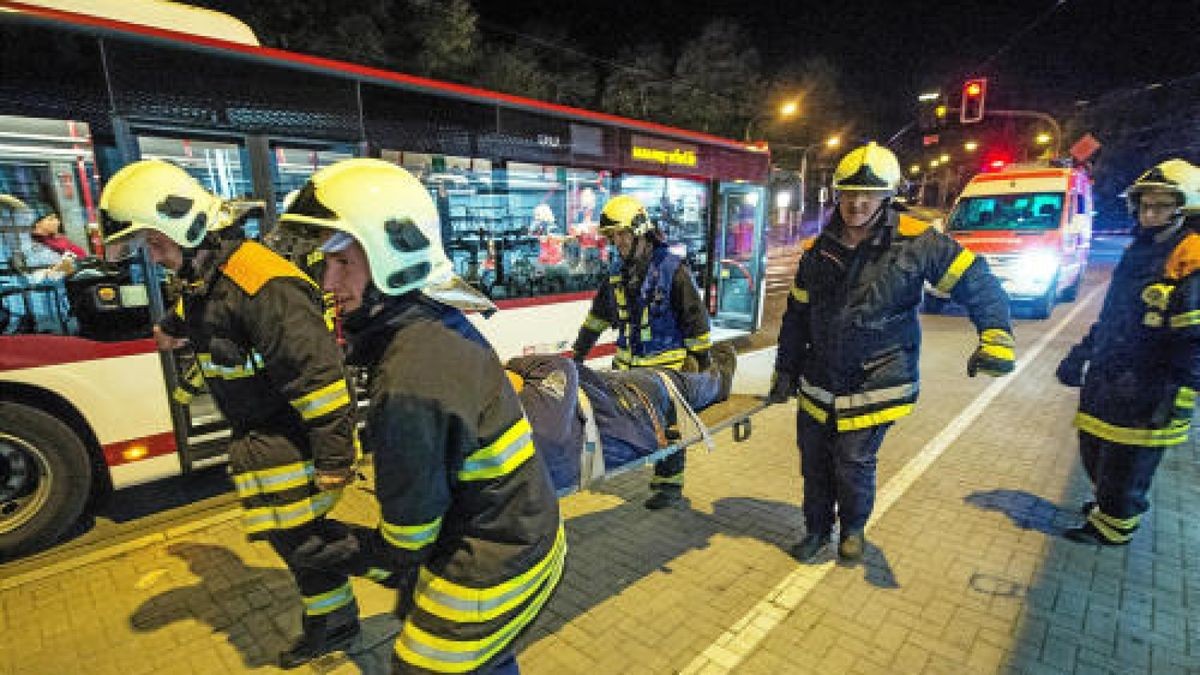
column 965, row 573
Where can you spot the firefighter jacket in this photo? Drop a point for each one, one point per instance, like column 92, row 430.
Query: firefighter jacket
column 657, row 311
column 850, row 336
column 467, row 505
column 1143, row 352
column 267, row 356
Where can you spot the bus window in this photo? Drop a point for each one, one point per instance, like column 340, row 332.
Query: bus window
column 47, row 200
column 680, row 209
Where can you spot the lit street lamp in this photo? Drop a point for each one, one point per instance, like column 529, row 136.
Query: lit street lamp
column 1043, row 138
column 970, row 146
column 944, row 158
column 786, row 110
column 914, row 169
column 833, row 142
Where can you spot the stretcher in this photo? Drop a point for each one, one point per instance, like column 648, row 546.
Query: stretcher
column 593, row 469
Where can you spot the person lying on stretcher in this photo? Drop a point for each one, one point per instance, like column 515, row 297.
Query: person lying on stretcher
column 628, row 414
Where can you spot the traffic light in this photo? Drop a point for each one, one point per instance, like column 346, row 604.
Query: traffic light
column 931, row 112
column 973, row 93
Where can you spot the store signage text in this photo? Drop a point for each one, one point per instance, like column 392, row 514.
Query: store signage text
column 674, row 156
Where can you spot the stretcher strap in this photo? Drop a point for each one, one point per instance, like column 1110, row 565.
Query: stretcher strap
column 591, row 462
column 682, row 405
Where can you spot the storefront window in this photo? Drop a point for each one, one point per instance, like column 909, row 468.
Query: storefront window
column 518, row 230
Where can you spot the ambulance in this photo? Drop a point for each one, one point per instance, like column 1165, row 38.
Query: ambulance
column 1033, row 225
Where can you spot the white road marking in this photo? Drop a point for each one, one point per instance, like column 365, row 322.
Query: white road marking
column 744, row 636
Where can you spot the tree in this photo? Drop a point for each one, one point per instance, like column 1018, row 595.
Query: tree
column 642, row 88
column 446, row 34
column 515, row 70
column 717, row 86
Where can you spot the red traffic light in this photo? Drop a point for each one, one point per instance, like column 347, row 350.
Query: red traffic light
column 973, row 93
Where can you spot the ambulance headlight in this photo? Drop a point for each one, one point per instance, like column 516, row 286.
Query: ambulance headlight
column 1037, row 268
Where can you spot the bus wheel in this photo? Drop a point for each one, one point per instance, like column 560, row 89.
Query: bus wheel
column 45, row 478
column 1071, row 293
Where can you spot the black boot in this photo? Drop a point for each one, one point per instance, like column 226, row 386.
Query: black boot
column 664, row 496
column 850, row 549
column 317, row 641
column 1088, row 534
column 808, row 548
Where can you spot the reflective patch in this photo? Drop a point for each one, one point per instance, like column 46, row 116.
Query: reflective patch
column 291, row 515
column 874, row 419
column 1186, row 319
column 502, row 456
column 275, row 479
column 323, row 401
column 1173, row 434
column 799, row 294
column 317, row 605
column 411, row 537
column 960, row 264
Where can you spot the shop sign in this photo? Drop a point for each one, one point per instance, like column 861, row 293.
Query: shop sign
column 666, row 153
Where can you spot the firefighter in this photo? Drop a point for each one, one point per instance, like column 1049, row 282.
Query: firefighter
column 652, row 301
column 1139, row 365
column 267, row 356
column 850, row 339
column 467, row 505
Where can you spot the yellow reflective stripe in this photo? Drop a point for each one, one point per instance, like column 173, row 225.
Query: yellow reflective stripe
column 179, row 308
column 1107, row 531
column 699, row 343
column 275, row 479
column 291, row 515
column 423, row 649
column 799, row 294
column 464, row 604
column 996, row 351
column 961, row 262
column 814, row 411
column 411, row 537
column 322, row 401
column 1186, row 398
column 254, row 363
column 672, row 358
column 181, row 396
column 874, row 419
column 316, row 605
column 673, row 479
column 1186, row 319
column 595, row 323
column 1174, row 434
column 377, row 574
column 502, row 456
column 1121, row 523
column 997, row 336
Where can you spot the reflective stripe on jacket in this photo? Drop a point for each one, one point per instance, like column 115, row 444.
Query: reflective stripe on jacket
column 1143, row 352
column 850, row 336
column 276, row 374
column 464, row 496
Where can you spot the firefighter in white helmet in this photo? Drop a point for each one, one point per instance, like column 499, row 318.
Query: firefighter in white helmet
column 652, row 301
column 468, row 509
column 1139, row 365
column 850, row 339
column 275, row 371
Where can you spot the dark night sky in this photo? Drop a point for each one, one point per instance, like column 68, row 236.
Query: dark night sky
column 889, row 50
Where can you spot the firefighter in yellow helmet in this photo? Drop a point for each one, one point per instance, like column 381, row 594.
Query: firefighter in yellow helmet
column 265, row 352
column 1139, row 365
column 850, row 339
column 652, row 301
column 468, row 509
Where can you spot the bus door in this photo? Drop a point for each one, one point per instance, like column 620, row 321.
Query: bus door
column 739, row 255
column 252, row 167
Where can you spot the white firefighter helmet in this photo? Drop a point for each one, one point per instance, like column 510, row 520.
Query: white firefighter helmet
column 155, row 195
column 392, row 216
column 1174, row 176
column 869, row 168
column 625, row 213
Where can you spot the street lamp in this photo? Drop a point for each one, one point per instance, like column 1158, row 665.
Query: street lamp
column 944, row 158
column 1043, row 138
column 914, row 169
column 970, row 146
column 832, row 142
column 786, row 109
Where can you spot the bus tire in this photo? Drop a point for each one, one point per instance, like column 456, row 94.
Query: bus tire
column 45, row 478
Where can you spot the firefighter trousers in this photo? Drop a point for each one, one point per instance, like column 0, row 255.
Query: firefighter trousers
column 319, row 554
column 1120, row 475
column 839, row 474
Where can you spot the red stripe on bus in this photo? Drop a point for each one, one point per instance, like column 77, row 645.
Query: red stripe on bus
column 599, row 351
column 517, row 303
column 63, row 16
column 1047, row 173
column 18, row 352
column 126, row 452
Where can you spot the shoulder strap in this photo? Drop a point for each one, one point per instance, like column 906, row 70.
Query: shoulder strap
column 1185, row 259
column 252, row 265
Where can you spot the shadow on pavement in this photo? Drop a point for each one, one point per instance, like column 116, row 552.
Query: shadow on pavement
column 232, row 598
column 614, row 549
column 1027, row 511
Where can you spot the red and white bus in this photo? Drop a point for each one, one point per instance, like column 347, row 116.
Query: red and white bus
column 85, row 400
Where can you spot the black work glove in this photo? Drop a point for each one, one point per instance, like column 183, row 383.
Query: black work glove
column 1070, row 371
column 703, row 360
column 994, row 355
column 783, row 387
